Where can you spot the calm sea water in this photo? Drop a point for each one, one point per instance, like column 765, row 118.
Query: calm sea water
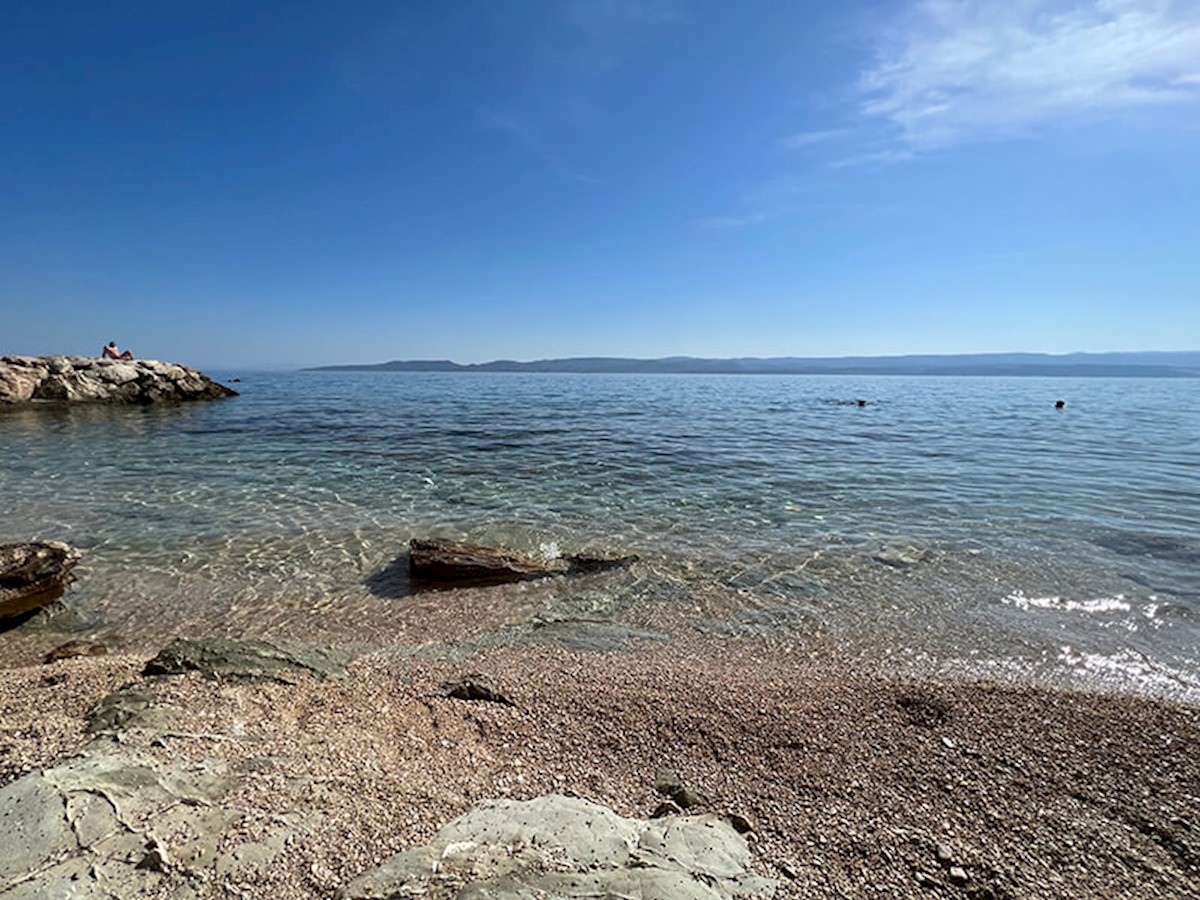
column 1062, row 545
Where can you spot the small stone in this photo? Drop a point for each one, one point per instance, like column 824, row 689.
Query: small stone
column 155, row 858
column 667, row 783
column 900, row 554
column 958, row 875
column 944, row 854
column 73, row 649
column 689, row 797
column 476, row 686
column 741, row 824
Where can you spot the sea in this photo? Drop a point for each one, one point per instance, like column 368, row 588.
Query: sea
column 950, row 527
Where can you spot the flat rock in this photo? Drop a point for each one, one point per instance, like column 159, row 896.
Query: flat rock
column 34, row 575
column 231, row 660
column 74, row 379
column 135, row 707
column 74, row 649
column 900, row 554
column 440, row 564
column 559, row 846
column 93, row 827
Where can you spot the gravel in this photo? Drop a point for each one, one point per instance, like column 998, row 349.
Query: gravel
column 855, row 784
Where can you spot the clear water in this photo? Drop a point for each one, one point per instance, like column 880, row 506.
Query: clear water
column 1062, row 545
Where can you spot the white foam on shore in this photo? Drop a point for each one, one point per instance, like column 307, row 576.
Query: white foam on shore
column 1127, row 668
column 1098, row 605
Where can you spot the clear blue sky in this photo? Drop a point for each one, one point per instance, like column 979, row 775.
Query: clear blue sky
column 238, row 184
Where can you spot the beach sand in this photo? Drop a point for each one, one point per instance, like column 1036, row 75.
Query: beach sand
column 856, row 785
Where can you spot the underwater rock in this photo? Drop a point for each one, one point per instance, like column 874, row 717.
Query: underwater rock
column 34, row 575
column 229, row 660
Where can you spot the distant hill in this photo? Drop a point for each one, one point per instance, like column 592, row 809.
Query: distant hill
column 1096, row 365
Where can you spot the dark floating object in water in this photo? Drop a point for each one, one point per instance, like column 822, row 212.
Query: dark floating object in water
column 34, row 575
column 439, row 564
column 862, row 402
column 1059, row 404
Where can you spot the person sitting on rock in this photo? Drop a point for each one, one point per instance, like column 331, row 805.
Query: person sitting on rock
column 111, row 352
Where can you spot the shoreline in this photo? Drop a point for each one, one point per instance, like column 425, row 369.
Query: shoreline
column 855, row 783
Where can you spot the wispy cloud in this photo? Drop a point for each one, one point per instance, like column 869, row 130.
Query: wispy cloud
column 747, row 220
column 803, row 139
column 957, row 71
column 527, row 136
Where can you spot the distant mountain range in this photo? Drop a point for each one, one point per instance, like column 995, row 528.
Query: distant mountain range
column 1183, row 364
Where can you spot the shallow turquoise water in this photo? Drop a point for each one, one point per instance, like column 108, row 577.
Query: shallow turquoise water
column 1059, row 543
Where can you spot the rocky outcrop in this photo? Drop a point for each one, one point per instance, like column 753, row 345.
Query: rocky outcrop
column 25, row 379
column 113, row 822
column 559, row 846
column 230, row 660
column 33, row 575
column 439, row 564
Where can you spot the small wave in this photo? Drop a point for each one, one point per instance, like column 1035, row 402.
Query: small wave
column 1127, row 667
column 1098, row 605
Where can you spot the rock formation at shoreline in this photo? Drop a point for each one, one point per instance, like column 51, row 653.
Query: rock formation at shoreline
column 34, row 574
column 438, row 564
column 73, row 379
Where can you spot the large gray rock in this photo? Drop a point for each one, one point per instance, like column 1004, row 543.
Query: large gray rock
column 230, row 660
column 33, row 575
column 116, row 823
column 69, row 379
column 560, row 846
column 439, row 563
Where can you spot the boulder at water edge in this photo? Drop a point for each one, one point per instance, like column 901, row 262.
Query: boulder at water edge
column 34, row 574
column 27, row 379
column 439, row 563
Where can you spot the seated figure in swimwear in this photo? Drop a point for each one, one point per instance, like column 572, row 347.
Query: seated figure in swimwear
column 111, row 352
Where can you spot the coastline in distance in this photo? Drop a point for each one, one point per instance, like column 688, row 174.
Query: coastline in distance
column 1149, row 364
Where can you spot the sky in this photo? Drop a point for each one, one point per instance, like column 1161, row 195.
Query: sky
column 270, row 184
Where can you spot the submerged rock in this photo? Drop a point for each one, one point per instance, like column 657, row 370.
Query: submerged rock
column 439, row 564
column 25, row 379
column 900, row 554
column 559, row 846
column 34, row 575
column 230, row 660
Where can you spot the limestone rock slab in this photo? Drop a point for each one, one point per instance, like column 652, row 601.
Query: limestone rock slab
column 558, row 846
